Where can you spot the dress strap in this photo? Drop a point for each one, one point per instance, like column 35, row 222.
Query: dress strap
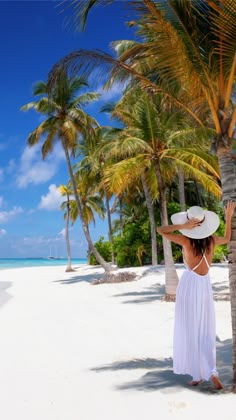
column 203, row 258
column 207, row 263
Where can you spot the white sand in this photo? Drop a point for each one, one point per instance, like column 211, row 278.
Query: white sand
column 72, row 351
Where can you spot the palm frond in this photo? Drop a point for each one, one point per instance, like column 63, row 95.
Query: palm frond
column 195, row 158
column 99, row 64
column 82, row 10
column 84, row 99
column 120, row 176
column 29, row 105
column 48, row 144
column 207, row 181
column 40, row 88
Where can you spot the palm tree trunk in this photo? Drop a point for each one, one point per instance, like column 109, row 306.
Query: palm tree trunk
column 171, row 278
column 107, row 267
column 68, row 268
column 121, row 217
column 89, row 252
column 109, row 227
column 199, row 197
column 228, row 179
column 181, row 189
column 152, row 220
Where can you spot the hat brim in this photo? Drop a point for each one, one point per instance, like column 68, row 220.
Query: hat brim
column 207, row 228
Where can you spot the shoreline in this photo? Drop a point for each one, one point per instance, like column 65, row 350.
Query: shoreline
column 72, row 351
column 63, row 264
column 12, row 263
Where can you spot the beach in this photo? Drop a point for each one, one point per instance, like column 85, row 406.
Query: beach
column 71, row 350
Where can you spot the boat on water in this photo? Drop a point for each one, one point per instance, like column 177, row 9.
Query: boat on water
column 53, row 258
column 53, row 255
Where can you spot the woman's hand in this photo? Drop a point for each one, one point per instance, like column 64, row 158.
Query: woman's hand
column 192, row 223
column 229, row 210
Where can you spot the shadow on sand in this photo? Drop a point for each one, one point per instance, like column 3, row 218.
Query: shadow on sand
column 157, row 292
column 150, row 294
column 4, row 295
column 159, row 375
column 221, row 291
column 77, row 278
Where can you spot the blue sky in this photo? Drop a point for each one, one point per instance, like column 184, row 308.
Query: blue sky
column 33, row 36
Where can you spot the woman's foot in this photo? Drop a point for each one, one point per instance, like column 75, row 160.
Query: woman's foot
column 216, row 382
column 194, row 383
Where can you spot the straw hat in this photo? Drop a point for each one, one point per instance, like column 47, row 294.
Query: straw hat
column 209, row 222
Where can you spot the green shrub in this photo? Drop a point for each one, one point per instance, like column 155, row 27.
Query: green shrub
column 134, row 248
column 220, row 253
column 104, row 249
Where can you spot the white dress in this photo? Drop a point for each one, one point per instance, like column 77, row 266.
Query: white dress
column 194, row 328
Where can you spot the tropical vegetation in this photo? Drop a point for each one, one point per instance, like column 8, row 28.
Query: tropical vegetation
column 65, row 121
column 178, row 104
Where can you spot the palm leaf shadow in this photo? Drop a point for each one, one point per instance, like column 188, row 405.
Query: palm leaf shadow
column 159, row 373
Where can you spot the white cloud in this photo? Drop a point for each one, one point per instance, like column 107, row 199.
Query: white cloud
column 11, row 166
column 33, row 170
column 5, row 216
column 62, row 233
column 39, row 173
column 113, row 93
column 2, row 232
column 43, row 246
column 58, row 153
column 1, row 201
column 52, row 200
column 31, row 211
column 34, row 241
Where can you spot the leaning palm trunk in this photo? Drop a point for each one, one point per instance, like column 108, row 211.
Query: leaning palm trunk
column 69, row 267
column 107, row 267
column 171, row 278
column 228, row 178
column 152, row 220
column 89, row 255
column 181, row 189
column 109, row 227
column 121, row 217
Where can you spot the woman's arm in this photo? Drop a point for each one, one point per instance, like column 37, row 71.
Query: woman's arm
column 166, row 231
column 229, row 211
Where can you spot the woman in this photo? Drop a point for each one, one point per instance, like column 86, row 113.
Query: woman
column 194, row 329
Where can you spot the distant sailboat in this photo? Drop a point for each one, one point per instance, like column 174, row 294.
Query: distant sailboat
column 53, row 257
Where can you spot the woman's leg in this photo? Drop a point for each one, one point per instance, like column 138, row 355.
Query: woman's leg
column 216, row 382
column 194, row 383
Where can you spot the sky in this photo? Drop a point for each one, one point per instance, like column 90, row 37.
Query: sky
column 33, row 37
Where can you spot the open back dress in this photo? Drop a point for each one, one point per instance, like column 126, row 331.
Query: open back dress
column 194, row 328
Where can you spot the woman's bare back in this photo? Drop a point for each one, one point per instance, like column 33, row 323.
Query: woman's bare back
column 192, row 260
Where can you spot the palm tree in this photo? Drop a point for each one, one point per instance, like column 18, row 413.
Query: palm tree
column 91, row 166
column 64, row 190
column 190, row 43
column 148, row 147
column 65, row 121
column 91, row 203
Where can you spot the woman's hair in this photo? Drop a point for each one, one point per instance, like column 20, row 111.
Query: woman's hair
column 201, row 245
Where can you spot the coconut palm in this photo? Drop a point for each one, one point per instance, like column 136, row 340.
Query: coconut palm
column 65, row 121
column 91, row 203
column 194, row 43
column 151, row 149
column 64, row 190
column 191, row 43
column 91, row 167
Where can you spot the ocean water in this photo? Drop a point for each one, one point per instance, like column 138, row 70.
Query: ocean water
column 37, row 262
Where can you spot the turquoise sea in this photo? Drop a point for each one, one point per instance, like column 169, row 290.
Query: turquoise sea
column 37, row 262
